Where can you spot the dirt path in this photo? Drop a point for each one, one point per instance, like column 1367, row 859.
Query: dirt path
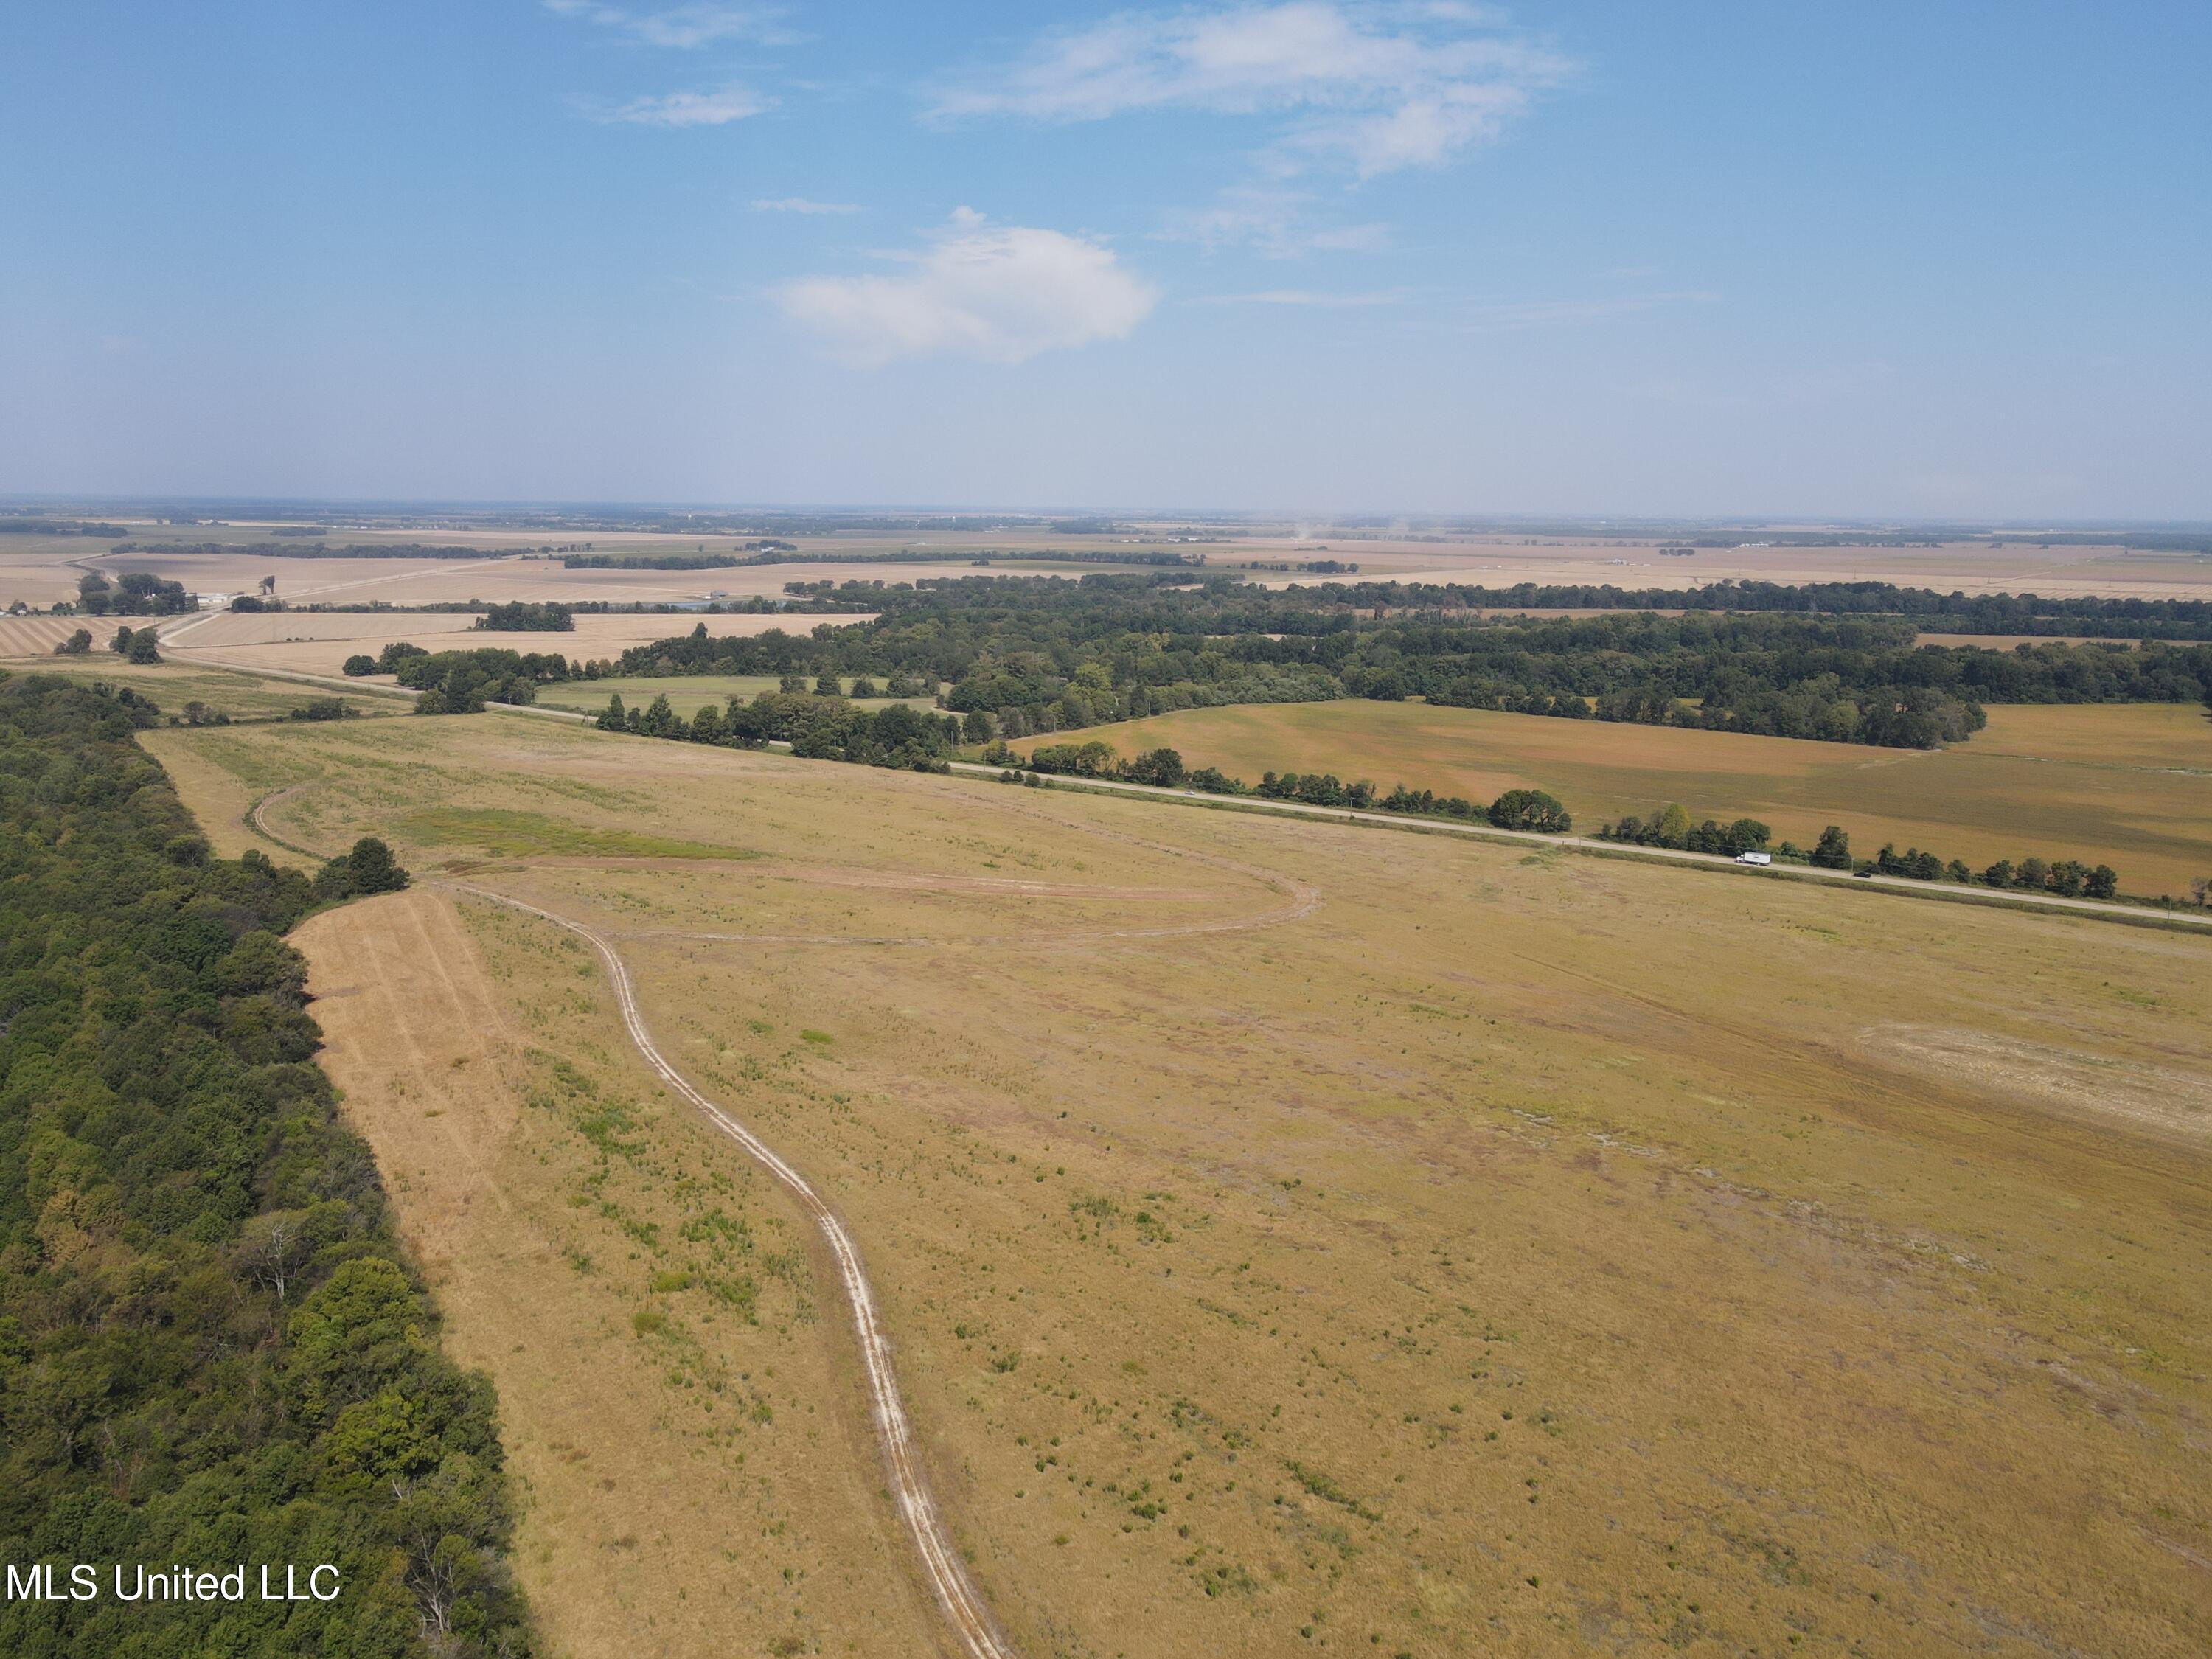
column 957, row 1594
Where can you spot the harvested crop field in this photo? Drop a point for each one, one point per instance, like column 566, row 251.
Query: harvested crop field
column 2126, row 784
column 1289, row 1233
column 37, row 637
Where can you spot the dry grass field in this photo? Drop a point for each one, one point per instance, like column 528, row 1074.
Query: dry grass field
column 172, row 685
column 1295, row 1237
column 318, row 642
column 2129, row 785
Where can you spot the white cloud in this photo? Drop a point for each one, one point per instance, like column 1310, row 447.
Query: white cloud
column 681, row 27
column 800, row 204
column 685, row 109
column 1000, row 292
column 1374, row 86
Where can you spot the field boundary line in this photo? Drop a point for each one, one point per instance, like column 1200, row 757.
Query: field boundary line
column 961, row 1602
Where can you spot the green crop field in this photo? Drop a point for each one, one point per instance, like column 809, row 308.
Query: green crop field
column 2129, row 785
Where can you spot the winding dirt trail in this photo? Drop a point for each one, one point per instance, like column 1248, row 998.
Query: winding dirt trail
column 961, row 1603
column 957, row 1594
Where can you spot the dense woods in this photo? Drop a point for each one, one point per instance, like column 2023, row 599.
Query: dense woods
column 133, row 594
column 1043, row 654
column 1946, row 613
column 210, row 1351
column 528, row 617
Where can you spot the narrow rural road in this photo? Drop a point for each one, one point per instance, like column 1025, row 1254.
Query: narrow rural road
column 1941, row 891
column 957, row 1594
column 1996, row 898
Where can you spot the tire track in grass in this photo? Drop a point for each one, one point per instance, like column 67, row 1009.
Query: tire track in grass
column 961, row 1602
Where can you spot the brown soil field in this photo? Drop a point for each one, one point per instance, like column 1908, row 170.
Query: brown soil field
column 1454, row 1250
column 2125, row 784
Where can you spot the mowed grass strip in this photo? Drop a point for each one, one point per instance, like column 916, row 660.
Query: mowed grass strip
column 2128, row 785
column 508, row 833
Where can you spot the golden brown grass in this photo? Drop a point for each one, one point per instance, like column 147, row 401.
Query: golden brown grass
column 2128, row 785
column 170, row 684
column 694, row 1460
column 1518, row 1253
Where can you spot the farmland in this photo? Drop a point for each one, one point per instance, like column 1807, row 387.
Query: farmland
column 171, row 685
column 1290, row 1234
column 2127, row 784
column 687, row 694
column 38, row 569
column 318, row 642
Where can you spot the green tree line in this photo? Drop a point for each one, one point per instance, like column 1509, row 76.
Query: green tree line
column 210, row 1349
column 1039, row 655
column 821, row 725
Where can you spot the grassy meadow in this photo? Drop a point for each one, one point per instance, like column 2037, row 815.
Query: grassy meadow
column 687, row 694
column 1292, row 1235
column 2126, row 784
column 172, row 684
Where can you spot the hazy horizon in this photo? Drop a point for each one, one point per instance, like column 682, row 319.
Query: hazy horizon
column 1299, row 257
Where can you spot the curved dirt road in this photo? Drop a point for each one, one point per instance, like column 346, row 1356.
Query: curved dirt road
column 956, row 1594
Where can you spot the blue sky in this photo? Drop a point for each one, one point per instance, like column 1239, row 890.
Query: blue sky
column 1880, row 260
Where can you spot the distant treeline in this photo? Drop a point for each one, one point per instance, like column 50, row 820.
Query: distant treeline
column 1958, row 613
column 1043, row 655
column 211, row 1349
column 23, row 526
column 786, row 554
